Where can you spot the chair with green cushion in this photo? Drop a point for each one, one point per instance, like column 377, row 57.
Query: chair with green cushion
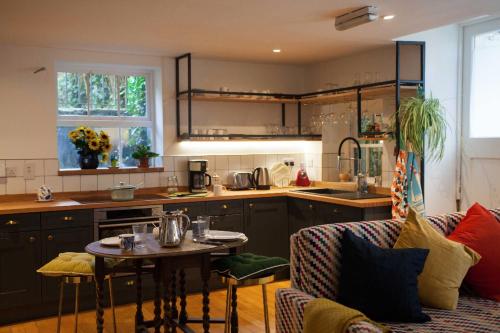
column 246, row 269
column 74, row 268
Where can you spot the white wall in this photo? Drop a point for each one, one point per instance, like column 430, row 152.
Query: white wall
column 28, row 101
column 441, row 70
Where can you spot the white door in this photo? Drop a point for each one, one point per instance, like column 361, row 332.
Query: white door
column 480, row 174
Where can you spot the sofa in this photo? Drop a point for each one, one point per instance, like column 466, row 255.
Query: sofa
column 315, row 272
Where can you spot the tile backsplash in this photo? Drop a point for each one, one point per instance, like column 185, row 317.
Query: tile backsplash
column 14, row 181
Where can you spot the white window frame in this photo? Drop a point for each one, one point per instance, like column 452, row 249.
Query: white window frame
column 111, row 121
column 475, row 147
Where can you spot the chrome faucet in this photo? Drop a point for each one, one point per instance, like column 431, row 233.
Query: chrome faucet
column 362, row 182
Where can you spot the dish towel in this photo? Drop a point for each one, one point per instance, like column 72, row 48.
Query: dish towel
column 414, row 191
column 322, row 315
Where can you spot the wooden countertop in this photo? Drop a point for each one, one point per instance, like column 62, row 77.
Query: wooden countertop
column 15, row 204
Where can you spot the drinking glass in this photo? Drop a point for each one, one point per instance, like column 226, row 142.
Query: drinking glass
column 140, row 231
column 200, row 227
column 172, row 184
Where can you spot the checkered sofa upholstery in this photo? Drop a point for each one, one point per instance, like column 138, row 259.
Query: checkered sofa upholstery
column 315, row 271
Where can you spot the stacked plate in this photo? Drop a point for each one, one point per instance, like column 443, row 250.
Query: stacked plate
column 224, row 236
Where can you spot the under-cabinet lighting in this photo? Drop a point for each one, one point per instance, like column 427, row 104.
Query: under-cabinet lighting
column 195, row 148
column 276, row 50
column 389, row 17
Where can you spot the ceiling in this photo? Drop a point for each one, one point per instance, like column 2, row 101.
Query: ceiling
column 225, row 29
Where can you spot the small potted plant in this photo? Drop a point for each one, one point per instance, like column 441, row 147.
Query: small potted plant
column 90, row 145
column 143, row 154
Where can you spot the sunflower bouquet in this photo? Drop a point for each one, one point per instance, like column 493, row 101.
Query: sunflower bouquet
column 90, row 144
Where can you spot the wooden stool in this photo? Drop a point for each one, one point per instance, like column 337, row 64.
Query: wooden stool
column 232, row 284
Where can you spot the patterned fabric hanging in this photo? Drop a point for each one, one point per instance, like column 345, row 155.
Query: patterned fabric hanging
column 399, row 188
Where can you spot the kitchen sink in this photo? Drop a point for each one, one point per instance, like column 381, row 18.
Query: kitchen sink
column 341, row 194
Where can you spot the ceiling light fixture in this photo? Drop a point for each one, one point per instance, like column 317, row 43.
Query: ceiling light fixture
column 356, row 17
column 276, row 50
column 389, row 17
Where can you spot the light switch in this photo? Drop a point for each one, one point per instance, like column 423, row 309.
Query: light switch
column 29, row 171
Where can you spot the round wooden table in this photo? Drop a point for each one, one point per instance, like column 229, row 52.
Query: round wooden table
column 167, row 261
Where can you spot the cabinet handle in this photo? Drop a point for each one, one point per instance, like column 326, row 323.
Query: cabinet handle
column 185, row 209
column 32, row 239
column 11, row 222
column 250, row 205
column 311, row 206
column 224, row 206
column 335, row 211
column 50, row 237
column 212, row 223
column 68, row 218
column 130, row 283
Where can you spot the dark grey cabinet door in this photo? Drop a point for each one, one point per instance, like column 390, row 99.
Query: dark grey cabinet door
column 64, row 240
column 266, row 226
column 331, row 213
column 20, row 257
column 232, row 222
column 301, row 214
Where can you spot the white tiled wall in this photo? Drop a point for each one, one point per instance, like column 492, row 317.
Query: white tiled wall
column 46, row 172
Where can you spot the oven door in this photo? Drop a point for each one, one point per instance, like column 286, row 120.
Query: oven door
column 117, row 227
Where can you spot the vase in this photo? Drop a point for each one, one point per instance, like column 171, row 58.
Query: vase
column 89, row 160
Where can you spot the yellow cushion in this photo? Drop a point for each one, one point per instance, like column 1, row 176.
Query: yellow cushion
column 69, row 263
column 446, row 264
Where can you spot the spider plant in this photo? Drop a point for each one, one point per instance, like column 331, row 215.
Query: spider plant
column 423, row 126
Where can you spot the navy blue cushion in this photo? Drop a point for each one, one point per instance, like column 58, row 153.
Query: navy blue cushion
column 381, row 283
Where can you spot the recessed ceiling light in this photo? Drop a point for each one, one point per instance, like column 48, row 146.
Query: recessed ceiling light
column 276, row 50
column 389, row 17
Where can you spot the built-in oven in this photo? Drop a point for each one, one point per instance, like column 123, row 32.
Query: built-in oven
column 109, row 222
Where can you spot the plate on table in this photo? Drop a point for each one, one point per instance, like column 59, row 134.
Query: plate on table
column 220, row 235
column 110, row 241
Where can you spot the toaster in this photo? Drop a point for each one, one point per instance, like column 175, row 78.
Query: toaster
column 241, row 180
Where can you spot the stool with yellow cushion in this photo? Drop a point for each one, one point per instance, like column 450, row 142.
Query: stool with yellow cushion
column 246, row 269
column 74, row 268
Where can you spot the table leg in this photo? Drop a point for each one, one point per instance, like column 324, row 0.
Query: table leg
column 183, row 303
column 99, row 283
column 234, row 311
column 157, row 298
column 139, row 317
column 205, row 277
column 167, row 322
column 173, row 298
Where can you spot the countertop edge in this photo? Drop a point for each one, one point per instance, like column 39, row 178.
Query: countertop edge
column 65, row 204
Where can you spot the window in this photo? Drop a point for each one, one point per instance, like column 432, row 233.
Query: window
column 481, row 87
column 116, row 102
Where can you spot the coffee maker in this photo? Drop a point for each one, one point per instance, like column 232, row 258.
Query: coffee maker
column 198, row 177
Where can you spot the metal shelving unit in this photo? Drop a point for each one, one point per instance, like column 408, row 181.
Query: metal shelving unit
column 399, row 88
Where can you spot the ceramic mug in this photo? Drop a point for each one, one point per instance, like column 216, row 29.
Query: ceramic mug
column 127, row 241
column 219, row 189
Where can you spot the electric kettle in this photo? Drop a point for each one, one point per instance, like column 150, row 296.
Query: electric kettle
column 173, row 228
column 261, row 179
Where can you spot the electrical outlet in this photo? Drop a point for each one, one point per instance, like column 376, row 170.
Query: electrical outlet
column 11, row 171
column 29, row 171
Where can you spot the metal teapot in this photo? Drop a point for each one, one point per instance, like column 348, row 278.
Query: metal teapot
column 173, row 228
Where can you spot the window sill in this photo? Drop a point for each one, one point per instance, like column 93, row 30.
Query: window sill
column 107, row 171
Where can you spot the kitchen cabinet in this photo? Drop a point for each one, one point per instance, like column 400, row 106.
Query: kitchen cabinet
column 191, row 209
column 308, row 213
column 20, row 257
column 266, row 225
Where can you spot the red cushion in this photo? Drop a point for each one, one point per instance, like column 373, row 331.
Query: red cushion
column 480, row 231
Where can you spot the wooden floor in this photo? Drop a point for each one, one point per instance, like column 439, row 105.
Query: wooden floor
column 250, row 311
